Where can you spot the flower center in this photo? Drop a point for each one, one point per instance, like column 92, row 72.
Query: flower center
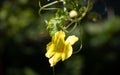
column 62, row 49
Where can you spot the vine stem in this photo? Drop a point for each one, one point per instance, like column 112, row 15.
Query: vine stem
column 47, row 5
column 80, row 43
column 53, row 70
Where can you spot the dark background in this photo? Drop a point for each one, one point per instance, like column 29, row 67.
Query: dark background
column 23, row 39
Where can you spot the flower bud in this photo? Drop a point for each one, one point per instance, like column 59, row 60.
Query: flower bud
column 73, row 14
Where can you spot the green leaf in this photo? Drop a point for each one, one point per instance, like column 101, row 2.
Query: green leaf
column 58, row 21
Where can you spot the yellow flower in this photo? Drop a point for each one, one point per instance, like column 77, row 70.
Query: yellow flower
column 59, row 49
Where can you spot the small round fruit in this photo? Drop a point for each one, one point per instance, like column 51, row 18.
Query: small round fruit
column 73, row 14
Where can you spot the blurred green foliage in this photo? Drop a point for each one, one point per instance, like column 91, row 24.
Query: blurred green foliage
column 23, row 39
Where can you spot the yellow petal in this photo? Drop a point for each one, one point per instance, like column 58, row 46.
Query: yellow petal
column 59, row 41
column 71, row 39
column 67, row 51
column 55, row 59
column 59, row 45
column 50, row 50
column 59, row 34
column 49, row 54
column 49, row 45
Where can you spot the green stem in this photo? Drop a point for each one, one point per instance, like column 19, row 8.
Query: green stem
column 85, row 12
column 80, row 43
column 69, row 25
column 47, row 5
column 73, row 27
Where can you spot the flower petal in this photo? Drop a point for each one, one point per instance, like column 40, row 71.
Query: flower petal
column 59, row 34
column 71, row 39
column 50, row 50
column 49, row 45
column 55, row 59
column 67, row 51
column 58, row 40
